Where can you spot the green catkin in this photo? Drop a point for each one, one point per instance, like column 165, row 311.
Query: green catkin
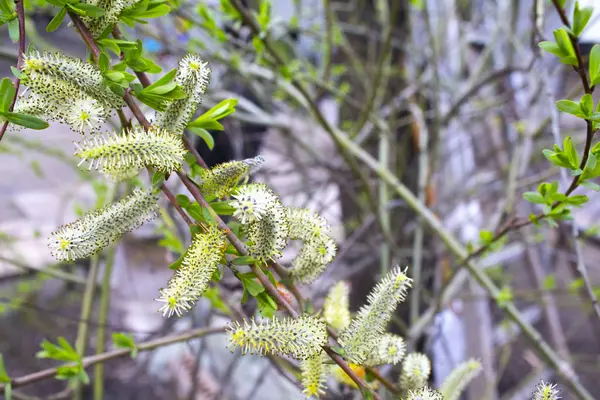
column 314, row 375
column 390, row 349
column 136, row 148
column 425, row 394
column 99, row 228
column 459, row 378
column 192, row 76
column 112, row 11
column 318, row 248
column 365, row 329
column 416, row 369
column 300, row 338
column 546, row 391
column 264, row 219
column 193, row 276
column 336, row 309
column 222, row 178
column 65, row 78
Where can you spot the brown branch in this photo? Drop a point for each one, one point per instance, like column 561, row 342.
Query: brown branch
column 114, row 354
column 21, row 52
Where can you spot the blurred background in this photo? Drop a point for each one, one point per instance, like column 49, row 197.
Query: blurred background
column 453, row 97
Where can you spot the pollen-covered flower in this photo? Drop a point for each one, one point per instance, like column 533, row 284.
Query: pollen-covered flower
column 120, row 174
column 266, row 226
column 416, row 369
column 314, row 375
column 390, row 349
column 336, row 309
column 364, row 330
column 222, row 178
column 300, row 338
column 135, row 148
column 546, row 391
column 318, row 248
column 112, row 11
column 192, row 75
column 192, row 278
column 459, row 378
column 425, row 394
column 85, row 114
column 99, row 228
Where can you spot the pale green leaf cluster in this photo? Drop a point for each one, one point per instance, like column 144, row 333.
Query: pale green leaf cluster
column 457, row 381
column 314, row 375
column 366, row 328
column 193, row 76
column 301, row 338
column 99, row 228
column 66, row 89
column 318, row 248
column 120, row 154
column 192, row 278
column 336, row 309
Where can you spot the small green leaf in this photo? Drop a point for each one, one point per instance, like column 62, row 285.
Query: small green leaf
column 505, row 296
column 570, row 107
column 222, row 208
column 13, row 30
column 587, row 105
column 251, row 285
column 57, row 20
column 590, row 185
column 205, row 135
column 182, row 200
column 157, row 180
column 580, row 18
column 7, row 94
column 552, row 48
column 16, row 72
column 4, row 378
column 575, row 285
column 595, row 65
column 125, row 341
column 28, row 121
column 534, row 197
column 549, row 282
column 177, row 263
column 243, row 260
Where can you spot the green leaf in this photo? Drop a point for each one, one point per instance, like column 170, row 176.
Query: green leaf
column 587, row 105
column 575, row 285
column 570, row 107
column 251, row 285
column 564, row 43
column 13, row 30
column 243, row 260
column 534, row 197
column 4, row 378
column 551, row 48
column 504, row 296
column 125, row 341
column 213, row 295
column 590, row 185
column 571, row 152
column 222, row 208
column 367, row 394
column 577, row 200
column 205, row 135
column 57, row 20
column 16, row 72
column 166, row 78
column 7, row 94
column 182, row 200
column 220, row 111
column 157, row 180
column 549, row 282
column 266, row 305
column 486, row 237
column 28, row 121
column 580, row 18
column 595, row 65
column 61, row 352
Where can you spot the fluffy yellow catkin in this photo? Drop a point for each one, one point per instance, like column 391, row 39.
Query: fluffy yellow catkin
column 193, row 276
column 300, row 338
column 336, row 309
column 222, row 178
column 314, row 375
column 362, row 335
column 318, row 248
column 425, row 394
column 99, row 228
column 390, row 349
column 263, row 216
column 136, row 148
column 459, row 378
column 546, row 391
column 416, row 369
column 193, row 75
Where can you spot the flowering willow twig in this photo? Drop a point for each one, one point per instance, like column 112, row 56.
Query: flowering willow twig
column 21, row 52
